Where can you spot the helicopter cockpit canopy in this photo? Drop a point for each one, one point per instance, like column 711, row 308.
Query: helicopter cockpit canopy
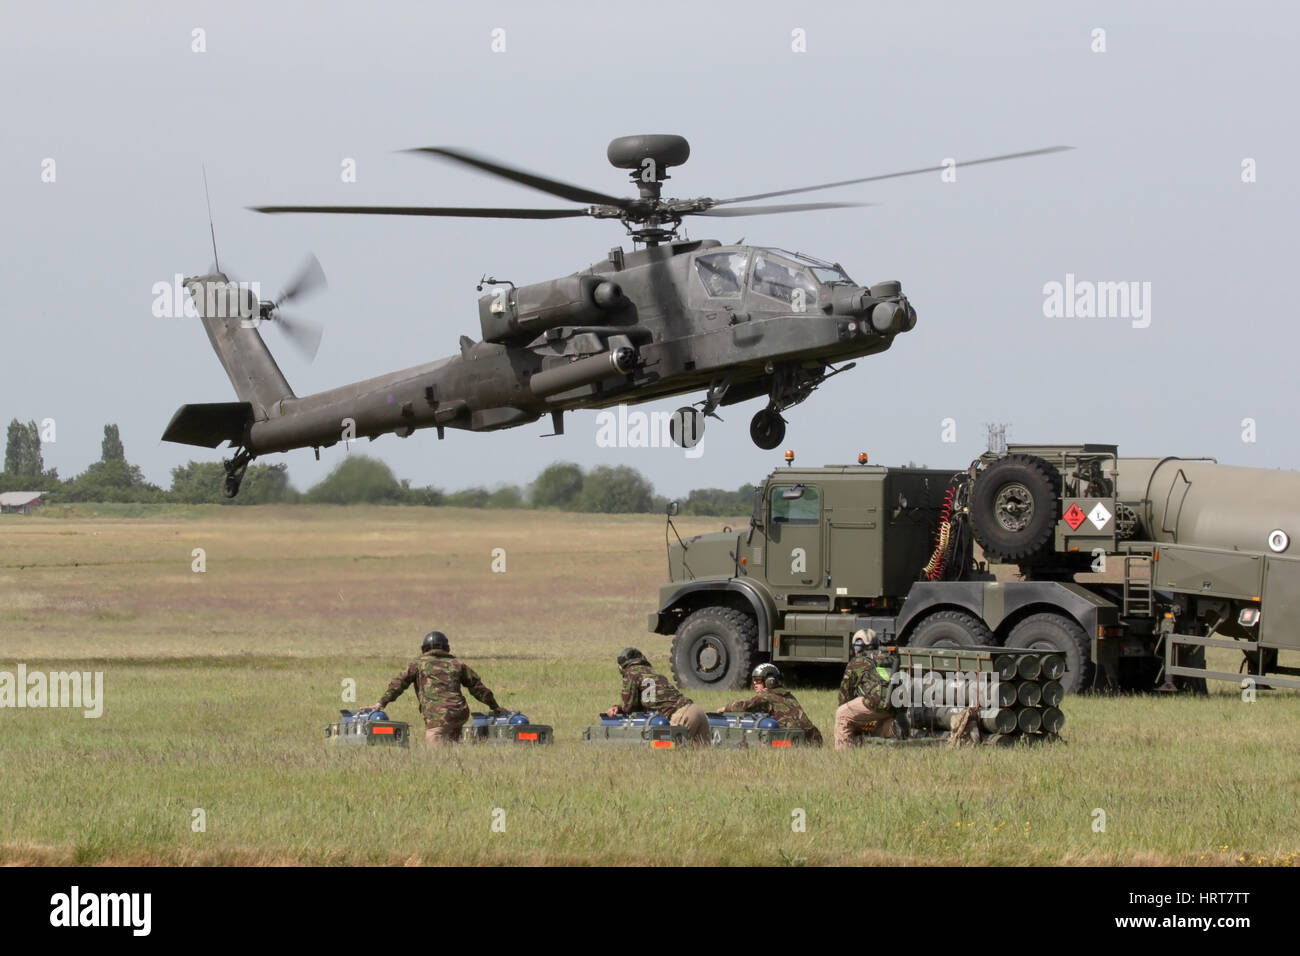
column 776, row 273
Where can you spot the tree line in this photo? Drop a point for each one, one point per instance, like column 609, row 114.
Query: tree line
column 357, row 479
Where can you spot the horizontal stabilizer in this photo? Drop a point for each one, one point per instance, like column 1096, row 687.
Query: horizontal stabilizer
column 210, row 424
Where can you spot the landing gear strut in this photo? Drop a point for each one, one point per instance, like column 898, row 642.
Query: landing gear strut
column 235, row 468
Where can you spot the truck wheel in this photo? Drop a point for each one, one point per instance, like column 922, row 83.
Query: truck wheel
column 715, row 647
column 1013, row 507
column 1054, row 632
column 950, row 629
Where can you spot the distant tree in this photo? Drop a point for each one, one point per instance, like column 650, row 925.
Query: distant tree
column 620, row 490
column 357, row 479
column 428, row 496
column 23, row 451
column 111, row 448
column 558, row 486
column 265, row 485
column 508, row 497
column 717, row 502
column 198, row 482
column 16, row 448
column 467, row 498
column 112, row 478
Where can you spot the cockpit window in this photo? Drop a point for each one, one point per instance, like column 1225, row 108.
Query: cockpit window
column 723, row 273
column 783, row 280
column 827, row 273
column 830, row 275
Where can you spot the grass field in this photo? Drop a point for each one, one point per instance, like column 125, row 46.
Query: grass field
column 218, row 685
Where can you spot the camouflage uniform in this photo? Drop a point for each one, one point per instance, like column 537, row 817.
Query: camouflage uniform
column 781, row 704
column 647, row 689
column 438, row 679
column 864, row 700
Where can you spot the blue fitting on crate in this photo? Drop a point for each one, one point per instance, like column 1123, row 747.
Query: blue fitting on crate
column 659, row 720
column 768, row 723
column 518, row 719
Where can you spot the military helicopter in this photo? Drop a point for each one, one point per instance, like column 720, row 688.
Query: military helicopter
column 734, row 321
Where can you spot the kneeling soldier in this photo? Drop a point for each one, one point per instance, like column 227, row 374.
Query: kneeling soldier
column 438, row 679
column 770, row 697
column 646, row 689
column 864, row 694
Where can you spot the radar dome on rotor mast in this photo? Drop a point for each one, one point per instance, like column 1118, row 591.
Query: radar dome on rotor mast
column 652, row 154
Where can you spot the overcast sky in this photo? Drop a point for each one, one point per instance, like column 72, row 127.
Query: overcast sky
column 1162, row 121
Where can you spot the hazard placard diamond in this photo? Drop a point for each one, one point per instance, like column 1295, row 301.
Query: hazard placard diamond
column 1099, row 516
column 1074, row 517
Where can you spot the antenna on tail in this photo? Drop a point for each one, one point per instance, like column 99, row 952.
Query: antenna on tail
column 216, row 263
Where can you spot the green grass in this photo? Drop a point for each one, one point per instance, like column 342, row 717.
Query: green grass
column 218, row 687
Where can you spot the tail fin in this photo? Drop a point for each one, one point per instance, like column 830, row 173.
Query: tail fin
column 230, row 313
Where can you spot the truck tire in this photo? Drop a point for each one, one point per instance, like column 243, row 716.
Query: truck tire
column 716, row 648
column 950, row 629
column 1056, row 632
column 1013, row 508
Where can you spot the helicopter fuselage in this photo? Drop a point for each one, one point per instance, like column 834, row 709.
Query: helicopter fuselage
column 691, row 315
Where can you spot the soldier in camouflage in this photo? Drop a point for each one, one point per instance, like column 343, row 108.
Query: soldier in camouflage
column 771, row 698
column 865, row 707
column 439, row 679
column 645, row 689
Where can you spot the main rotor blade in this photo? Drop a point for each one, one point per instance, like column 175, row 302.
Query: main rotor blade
column 303, row 334
column 474, row 212
column 769, row 210
column 310, row 278
column 544, row 183
column 906, row 172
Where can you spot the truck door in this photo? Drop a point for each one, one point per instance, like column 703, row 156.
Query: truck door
column 794, row 536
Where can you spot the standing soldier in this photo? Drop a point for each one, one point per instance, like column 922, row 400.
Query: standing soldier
column 438, row 679
column 647, row 689
column 771, row 697
column 865, row 707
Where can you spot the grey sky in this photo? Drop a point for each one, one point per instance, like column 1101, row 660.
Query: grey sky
column 1153, row 193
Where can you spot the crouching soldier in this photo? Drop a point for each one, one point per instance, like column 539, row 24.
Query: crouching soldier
column 647, row 689
column 770, row 697
column 865, row 708
column 439, row 679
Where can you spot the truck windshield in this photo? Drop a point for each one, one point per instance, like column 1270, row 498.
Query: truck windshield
column 805, row 509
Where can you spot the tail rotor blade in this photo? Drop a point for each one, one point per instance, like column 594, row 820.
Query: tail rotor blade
column 303, row 334
column 310, row 278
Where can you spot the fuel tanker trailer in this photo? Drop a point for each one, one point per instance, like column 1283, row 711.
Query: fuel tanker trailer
column 1129, row 567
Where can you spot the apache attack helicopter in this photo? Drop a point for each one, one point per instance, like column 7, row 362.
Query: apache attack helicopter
column 675, row 316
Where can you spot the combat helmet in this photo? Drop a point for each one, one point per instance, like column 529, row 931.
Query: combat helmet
column 434, row 641
column 629, row 654
column 767, row 674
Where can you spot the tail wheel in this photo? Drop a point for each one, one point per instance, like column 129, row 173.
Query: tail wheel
column 1014, row 507
column 950, row 629
column 1055, row 632
column 715, row 647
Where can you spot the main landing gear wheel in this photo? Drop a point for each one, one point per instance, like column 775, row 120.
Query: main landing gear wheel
column 686, row 427
column 767, row 429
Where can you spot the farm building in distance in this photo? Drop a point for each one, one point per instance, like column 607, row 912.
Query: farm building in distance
column 20, row 502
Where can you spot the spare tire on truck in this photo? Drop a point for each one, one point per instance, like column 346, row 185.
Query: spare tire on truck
column 1014, row 508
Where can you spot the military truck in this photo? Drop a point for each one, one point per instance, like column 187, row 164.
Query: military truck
column 1129, row 567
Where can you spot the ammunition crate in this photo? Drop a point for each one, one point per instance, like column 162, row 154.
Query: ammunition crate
column 740, row 730
column 637, row 730
column 368, row 733
column 506, row 729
